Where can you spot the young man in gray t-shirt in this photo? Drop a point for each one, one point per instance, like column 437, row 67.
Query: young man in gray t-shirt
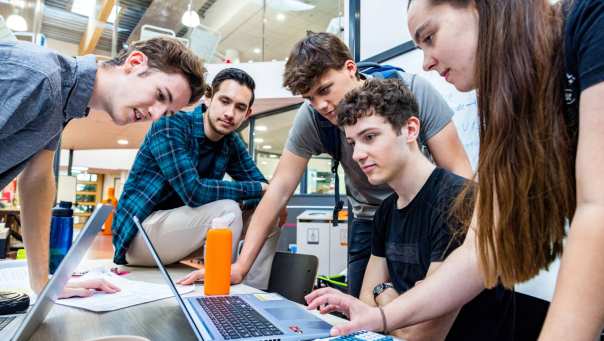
column 321, row 69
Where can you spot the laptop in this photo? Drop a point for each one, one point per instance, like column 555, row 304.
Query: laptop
column 264, row 316
column 22, row 326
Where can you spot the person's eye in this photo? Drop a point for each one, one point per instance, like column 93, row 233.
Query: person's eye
column 160, row 96
column 369, row 137
column 324, row 91
column 428, row 39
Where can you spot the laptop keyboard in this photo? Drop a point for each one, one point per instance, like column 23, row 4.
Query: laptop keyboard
column 234, row 318
column 5, row 320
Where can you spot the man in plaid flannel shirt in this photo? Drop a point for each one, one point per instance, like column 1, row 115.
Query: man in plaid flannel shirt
column 176, row 184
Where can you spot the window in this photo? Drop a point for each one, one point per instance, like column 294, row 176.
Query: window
column 270, row 135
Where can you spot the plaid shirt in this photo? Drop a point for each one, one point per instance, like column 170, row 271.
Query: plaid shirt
column 167, row 171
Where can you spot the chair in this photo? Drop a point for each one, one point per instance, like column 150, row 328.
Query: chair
column 293, row 275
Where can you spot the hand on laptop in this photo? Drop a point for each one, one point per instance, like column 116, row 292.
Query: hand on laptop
column 361, row 315
column 199, row 275
column 87, row 287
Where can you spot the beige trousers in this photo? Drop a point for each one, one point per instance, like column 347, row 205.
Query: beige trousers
column 179, row 232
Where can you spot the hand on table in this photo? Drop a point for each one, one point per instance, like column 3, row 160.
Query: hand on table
column 199, row 275
column 361, row 315
column 87, row 287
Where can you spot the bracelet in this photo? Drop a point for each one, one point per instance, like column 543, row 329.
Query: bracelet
column 384, row 325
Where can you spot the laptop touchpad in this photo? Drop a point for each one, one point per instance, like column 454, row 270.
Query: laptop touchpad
column 287, row 313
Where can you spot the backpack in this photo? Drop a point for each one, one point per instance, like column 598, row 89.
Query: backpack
column 329, row 134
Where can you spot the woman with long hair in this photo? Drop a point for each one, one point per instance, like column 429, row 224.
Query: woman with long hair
column 539, row 73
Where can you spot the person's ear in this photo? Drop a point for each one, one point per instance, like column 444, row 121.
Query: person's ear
column 248, row 113
column 412, row 128
column 136, row 61
column 351, row 67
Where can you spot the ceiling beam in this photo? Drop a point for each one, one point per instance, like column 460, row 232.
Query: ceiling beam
column 95, row 28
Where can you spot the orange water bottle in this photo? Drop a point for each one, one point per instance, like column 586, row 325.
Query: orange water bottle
column 218, row 261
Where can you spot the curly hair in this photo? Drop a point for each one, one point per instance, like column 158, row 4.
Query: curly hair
column 389, row 98
column 311, row 57
column 170, row 56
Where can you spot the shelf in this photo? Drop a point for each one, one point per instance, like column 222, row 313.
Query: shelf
column 86, row 193
column 86, row 203
column 82, row 214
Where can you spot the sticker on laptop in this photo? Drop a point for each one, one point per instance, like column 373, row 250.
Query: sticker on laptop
column 268, row 297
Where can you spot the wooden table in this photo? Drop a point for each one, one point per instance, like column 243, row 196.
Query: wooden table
column 159, row 320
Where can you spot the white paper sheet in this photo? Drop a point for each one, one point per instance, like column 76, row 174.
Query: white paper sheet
column 132, row 293
column 14, row 277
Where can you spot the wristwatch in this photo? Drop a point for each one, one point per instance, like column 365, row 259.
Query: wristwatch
column 378, row 289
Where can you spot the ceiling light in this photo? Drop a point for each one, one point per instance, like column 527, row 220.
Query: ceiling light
column 260, row 128
column 190, row 18
column 272, row 156
column 16, row 22
column 258, row 140
column 267, row 146
column 263, row 163
column 123, row 142
column 280, row 16
column 257, row 50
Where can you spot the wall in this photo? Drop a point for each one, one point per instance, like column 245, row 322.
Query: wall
column 268, row 77
column 383, row 26
column 118, row 159
column 62, row 47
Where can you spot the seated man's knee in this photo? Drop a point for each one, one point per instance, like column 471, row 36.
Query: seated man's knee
column 229, row 206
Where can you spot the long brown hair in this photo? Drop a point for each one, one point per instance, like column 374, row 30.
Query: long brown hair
column 526, row 181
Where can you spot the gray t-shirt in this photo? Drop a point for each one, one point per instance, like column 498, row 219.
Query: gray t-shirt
column 41, row 92
column 304, row 141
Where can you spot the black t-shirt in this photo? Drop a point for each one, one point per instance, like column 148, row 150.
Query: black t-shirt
column 420, row 233
column 584, row 49
column 424, row 232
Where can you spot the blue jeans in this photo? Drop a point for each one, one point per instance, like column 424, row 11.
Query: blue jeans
column 359, row 250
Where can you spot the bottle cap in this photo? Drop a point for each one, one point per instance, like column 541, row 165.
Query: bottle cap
column 63, row 209
column 223, row 222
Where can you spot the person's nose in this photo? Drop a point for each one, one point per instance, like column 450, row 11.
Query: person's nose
column 321, row 105
column 358, row 153
column 158, row 111
column 230, row 112
column 429, row 61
